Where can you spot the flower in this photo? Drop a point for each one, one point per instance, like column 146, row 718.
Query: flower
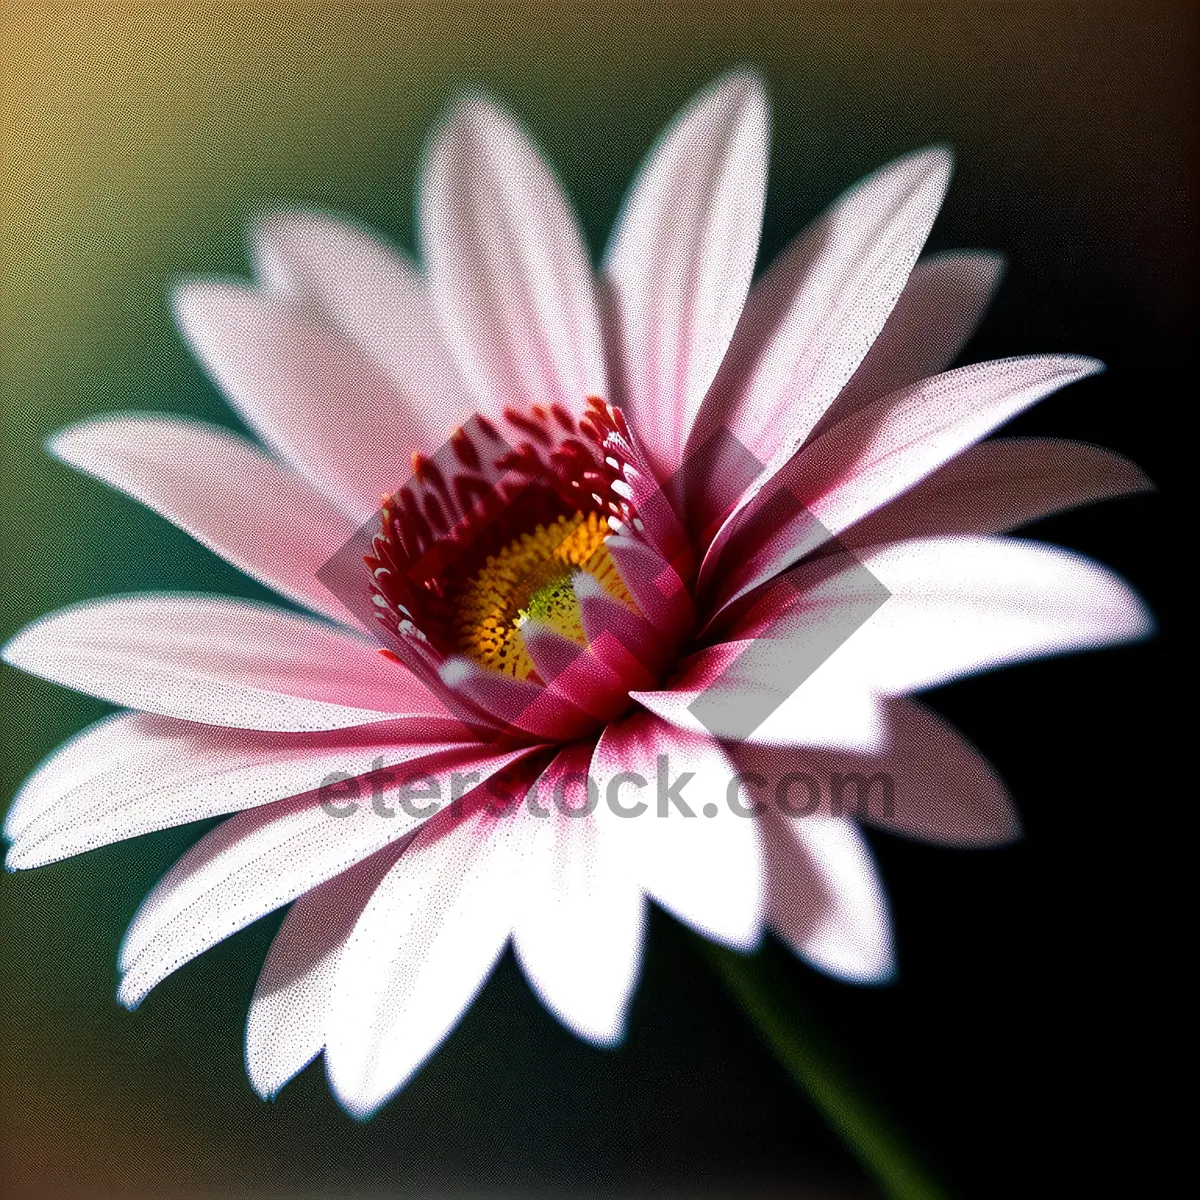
column 687, row 537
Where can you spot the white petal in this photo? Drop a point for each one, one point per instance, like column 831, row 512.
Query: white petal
column 254, row 512
column 1000, row 484
column 925, row 781
column 812, row 318
column 259, row 860
column 760, row 690
column 380, row 301
column 825, row 897
column 285, row 1029
column 874, row 456
column 136, row 774
column 220, row 662
column 508, row 269
column 309, row 392
column 901, row 438
column 940, row 307
column 705, row 868
column 422, row 949
column 579, row 921
column 98, row 748
column 680, row 261
column 961, row 605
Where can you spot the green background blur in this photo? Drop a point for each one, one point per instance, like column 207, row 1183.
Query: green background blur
column 139, row 141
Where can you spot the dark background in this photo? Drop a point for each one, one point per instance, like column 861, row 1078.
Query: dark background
column 1026, row 1044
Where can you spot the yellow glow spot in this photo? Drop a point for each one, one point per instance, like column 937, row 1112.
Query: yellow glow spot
column 531, row 578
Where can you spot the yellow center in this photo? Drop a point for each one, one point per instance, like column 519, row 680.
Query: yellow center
column 531, row 578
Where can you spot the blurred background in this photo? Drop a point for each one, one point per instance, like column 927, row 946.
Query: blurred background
column 1018, row 1047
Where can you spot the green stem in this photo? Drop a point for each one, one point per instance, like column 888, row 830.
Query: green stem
column 791, row 1034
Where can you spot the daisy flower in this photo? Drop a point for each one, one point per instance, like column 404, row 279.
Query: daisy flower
column 598, row 565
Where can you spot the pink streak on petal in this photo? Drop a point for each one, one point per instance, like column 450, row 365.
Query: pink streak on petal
column 526, row 708
column 575, row 673
column 617, row 634
column 656, row 589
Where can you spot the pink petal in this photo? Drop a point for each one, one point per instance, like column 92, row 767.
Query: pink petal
column 812, row 318
column 219, row 662
column 617, row 635
column 508, row 269
column 825, row 897
column 940, row 307
column 285, row 1029
column 425, row 944
column 927, row 782
column 575, row 673
column 252, row 511
column 680, row 261
column 875, row 455
column 999, row 485
column 262, row 859
column 374, row 295
column 579, row 921
column 135, row 774
column 655, row 586
column 704, row 868
column 527, row 709
column 309, row 392
column 961, row 605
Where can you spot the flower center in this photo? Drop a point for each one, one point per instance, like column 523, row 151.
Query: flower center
column 531, row 578
column 493, row 532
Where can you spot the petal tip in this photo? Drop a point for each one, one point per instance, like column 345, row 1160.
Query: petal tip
column 1086, row 365
column 741, row 88
column 128, row 995
column 265, row 1086
column 62, row 443
column 876, row 968
column 745, row 940
column 19, row 858
column 14, row 651
column 744, row 86
column 355, row 1103
column 204, row 307
column 475, row 114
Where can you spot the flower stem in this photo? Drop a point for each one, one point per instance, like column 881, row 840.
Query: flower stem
column 801, row 1050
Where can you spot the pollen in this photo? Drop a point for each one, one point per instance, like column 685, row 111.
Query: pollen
column 531, row 579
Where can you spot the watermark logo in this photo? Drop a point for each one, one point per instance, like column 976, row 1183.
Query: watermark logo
column 385, row 793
